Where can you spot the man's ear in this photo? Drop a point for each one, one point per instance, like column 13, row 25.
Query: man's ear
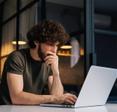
column 36, row 43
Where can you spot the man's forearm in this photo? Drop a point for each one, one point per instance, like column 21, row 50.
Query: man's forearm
column 57, row 87
column 30, row 98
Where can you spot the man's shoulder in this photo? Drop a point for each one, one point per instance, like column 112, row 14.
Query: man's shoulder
column 19, row 52
column 22, row 53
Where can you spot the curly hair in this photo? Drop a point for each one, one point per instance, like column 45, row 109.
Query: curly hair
column 47, row 31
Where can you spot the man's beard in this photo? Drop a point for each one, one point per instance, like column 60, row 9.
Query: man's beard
column 41, row 54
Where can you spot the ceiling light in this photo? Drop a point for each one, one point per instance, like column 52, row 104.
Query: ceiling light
column 19, row 42
column 66, row 47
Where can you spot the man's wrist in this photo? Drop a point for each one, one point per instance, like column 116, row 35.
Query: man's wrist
column 56, row 74
column 53, row 99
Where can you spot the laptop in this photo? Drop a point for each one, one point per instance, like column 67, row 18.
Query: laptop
column 96, row 88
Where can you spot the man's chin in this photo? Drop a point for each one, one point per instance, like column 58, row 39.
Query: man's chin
column 43, row 57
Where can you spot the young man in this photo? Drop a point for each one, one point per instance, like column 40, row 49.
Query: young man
column 27, row 71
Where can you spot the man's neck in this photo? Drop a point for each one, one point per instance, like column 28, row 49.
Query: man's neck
column 34, row 54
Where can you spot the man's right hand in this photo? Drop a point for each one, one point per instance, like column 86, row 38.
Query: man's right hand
column 66, row 98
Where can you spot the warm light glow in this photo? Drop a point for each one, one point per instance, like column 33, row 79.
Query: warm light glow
column 19, row 42
column 81, row 51
column 66, row 47
column 67, row 52
column 64, row 53
column 60, row 54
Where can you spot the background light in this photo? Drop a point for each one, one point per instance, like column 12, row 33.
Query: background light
column 66, row 47
column 19, row 42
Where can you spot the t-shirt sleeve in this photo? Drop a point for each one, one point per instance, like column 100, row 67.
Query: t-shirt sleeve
column 15, row 63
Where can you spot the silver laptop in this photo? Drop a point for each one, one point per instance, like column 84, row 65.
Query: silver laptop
column 96, row 88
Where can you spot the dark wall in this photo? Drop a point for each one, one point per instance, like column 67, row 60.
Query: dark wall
column 106, row 50
column 106, row 55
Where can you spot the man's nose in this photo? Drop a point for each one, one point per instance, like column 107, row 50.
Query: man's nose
column 53, row 49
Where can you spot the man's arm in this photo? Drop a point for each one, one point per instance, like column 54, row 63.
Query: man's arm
column 55, row 85
column 18, row 96
column 54, row 81
column 56, row 89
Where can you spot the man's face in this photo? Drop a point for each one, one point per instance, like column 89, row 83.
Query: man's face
column 44, row 48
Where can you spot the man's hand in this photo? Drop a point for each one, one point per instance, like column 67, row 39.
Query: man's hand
column 52, row 60
column 65, row 98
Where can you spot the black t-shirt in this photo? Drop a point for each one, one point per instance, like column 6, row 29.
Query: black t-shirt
column 35, row 74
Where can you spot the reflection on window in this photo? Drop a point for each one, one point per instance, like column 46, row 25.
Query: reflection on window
column 9, row 32
column 9, row 9
column 71, row 59
column 27, row 20
column 25, row 2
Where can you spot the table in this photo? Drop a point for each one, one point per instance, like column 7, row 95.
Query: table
column 22, row 108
